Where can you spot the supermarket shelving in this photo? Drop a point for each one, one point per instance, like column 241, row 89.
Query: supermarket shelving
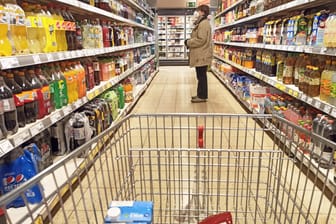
column 229, row 8
column 34, row 59
column 78, row 166
column 300, row 49
column 288, row 89
column 136, row 5
column 311, row 164
column 31, row 130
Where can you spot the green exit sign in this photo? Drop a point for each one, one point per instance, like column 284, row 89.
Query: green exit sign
column 191, row 4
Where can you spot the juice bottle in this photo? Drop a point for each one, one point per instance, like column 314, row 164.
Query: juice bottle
column 297, row 68
column 69, row 81
column 17, row 27
column 29, row 100
column 49, row 29
column 62, row 85
column 45, row 90
column 74, row 73
column 332, row 32
column 18, row 97
column 37, row 91
column 32, row 29
column 326, row 82
column 280, row 66
column 9, row 110
column 302, row 70
column 332, row 97
column 5, row 45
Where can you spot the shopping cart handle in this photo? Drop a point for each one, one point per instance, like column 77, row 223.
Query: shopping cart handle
column 222, row 218
column 200, row 136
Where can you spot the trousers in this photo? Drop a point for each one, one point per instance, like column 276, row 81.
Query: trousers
column 202, row 86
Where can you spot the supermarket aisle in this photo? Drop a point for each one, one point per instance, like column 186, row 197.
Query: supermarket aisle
column 172, row 88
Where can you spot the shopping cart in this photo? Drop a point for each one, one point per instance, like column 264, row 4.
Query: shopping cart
column 192, row 166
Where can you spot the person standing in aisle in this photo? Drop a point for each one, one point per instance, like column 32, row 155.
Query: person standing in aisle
column 200, row 55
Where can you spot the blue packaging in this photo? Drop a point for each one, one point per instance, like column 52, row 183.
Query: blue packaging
column 15, row 172
column 135, row 212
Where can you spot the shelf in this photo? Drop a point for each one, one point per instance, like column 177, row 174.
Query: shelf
column 299, row 49
column 72, row 166
column 288, row 89
column 229, row 8
column 34, row 59
column 272, row 12
column 31, row 130
column 141, row 8
column 91, row 9
column 322, row 174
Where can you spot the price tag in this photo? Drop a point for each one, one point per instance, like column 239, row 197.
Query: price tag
column 79, row 53
column 295, row 94
column 317, row 104
column 9, row 62
column 67, row 110
column 21, row 138
column 308, row 50
column 37, row 128
column 90, row 95
column 50, row 57
column 290, row 92
column 309, row 100
column 333, row 112
column 36, row 59
column 5, row 146
column 323, row 50
column 56, row 116
column 60, row 55
column 97, row 92
column 326, row 108
column 291, row 48
column 67, row 54
column 78, row 103
column 108, row 85
column 73, row 54
column 304, row 97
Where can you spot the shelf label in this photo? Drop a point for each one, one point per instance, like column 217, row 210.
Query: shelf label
column 37, row 128
column 67, row 110
column 73, row 54
column 21, row 138
column 317, row 104
column 326, row 108
column 67, row 54
column 333, row 112
column 78, row 103
column 323, row 50
column 291, row 48
column 97, row 92
column 36, row 59
column 60, row 55
column 56, row 116
column 108, row 85
column 308, row 49
column 295, row 94
column 304, row 97
column 90, row 95
column 9, row 62
column 5, row 146
column 309, row 100
column 50, row 57
column 290, row 92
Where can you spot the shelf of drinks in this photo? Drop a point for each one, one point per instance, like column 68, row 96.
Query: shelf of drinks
column 323, row 174
column 300, row 49
column 229, row 8
column 272, row 11
column 31, row 130
column 34, row 59
column 136, row 5
column 78, row 166
column 288, row 89
column 92, row 9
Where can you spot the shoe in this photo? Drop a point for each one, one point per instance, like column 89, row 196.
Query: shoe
column 194, row 97
column 198, row 100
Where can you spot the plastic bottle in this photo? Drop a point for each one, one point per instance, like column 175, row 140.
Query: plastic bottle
column 45, row 90
column 96, row 70
column 98, row 34
column 49, row 29
column 37, row 92
column 81, row 80
column 332, row 32
column 68, row 80
column 106, row 34
column 17, row 27
column 5, row 45
column 89, row 74
column 321, row 29
column 326, row 82
column 18, row 97
column 70, row 30
column 57, row 139
column 74, row 73
column 54, row 85
column 326, row 159
column 302, row 30
column 121, row 96
column 86, row 34
column 62, row 85
column 288, row 74
column 332, row 97
column 79, row 36
column 59, row 28
column 32, row 29
column 29, row 99
column 9, row 109
column 41, row 32
column 297, row 67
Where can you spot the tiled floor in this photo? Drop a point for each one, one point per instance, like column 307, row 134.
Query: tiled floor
column 233, row 176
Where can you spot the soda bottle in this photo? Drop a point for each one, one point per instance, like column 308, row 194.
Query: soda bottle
column 5, row 45
column 41, row 33
column 106, row 34
column 62, row 85
column 32, row 26
column 78, row 130
column 98, row 34
column 17, row 27
column 70, row 29
column 18, row 97
column 37, row 92
column 74, row 74
column 48, row 24
column 96, row 69
column 54, row 86
column 29, row 99
column 121, row 96
column 86, row 34
column 68, row 80
column 59, row 28
column 328, row 132
column 45, row 90
column 79, row 37
column 89, row 73
column 81, row 82
column 7, row 104
column 58, row 147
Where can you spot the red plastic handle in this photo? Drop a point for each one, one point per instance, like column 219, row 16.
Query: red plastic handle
column 200, row 136
column 222, row 218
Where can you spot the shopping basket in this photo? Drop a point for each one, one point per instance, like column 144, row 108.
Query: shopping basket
column 193, row 167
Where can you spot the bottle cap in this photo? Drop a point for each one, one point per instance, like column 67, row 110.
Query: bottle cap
column 114, row 212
